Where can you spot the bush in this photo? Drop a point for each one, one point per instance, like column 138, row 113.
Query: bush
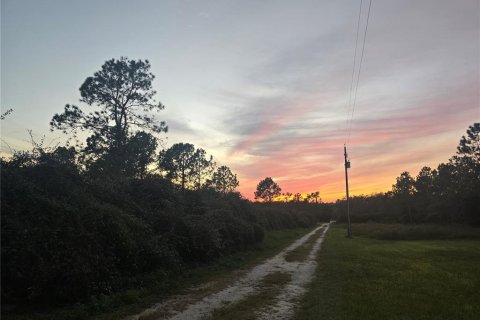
column 68, row 236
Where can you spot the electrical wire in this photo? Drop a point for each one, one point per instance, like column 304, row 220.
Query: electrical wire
column 353, row 72
column 359, row 72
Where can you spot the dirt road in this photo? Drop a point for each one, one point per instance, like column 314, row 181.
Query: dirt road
column 250, row 293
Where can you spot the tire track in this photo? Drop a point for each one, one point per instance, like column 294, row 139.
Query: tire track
column 283, row 305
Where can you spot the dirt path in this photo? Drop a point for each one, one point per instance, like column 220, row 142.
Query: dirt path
column 192, row 307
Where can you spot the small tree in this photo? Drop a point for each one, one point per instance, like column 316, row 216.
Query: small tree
column 424, row 185
column 267, row 189
column 467, row 162
column 404, row 185
column 177, row 163
column 424, row 181
column 224, row 181
column 469, row 145
column 186, row 166
column 466, row 165
column 297, row 197
column 404, row 190
column 202, row 168
column 288, row 196
column 314, row 196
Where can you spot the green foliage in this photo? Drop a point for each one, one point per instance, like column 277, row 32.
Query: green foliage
column 469, row 145
column 314, row 197
column 223, row 180
column 140, row 151
column 267, row 189
column 60, row 243
column 69, row 235
column 404, row 185
column 122, row 94
column 202, row 168
column 186, row 166
column 177, row 163
column 129, row 160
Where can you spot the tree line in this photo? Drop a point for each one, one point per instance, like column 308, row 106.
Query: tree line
column 268, row 191
column 447, row 194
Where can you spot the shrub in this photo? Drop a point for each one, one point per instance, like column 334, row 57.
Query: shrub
column 69, row 236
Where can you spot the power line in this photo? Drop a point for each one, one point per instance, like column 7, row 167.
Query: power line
column 349, row 123
column 353, row 71
column 359, row 71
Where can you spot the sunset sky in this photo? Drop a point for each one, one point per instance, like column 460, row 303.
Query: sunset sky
column 263, row 86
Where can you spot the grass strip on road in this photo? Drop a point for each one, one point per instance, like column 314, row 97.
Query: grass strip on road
column 369, row 279
column 245, row 309
column 301, row 253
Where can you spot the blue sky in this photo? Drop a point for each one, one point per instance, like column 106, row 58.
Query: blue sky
column 262, row 85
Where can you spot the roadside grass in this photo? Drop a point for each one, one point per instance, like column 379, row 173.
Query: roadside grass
column 367, row 278
column 160, row 286
column 415, row 232
column 245, row 309
column 301, row 252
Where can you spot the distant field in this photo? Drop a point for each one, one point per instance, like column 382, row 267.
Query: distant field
column 368, row 277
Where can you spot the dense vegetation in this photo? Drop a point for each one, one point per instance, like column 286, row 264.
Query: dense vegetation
column 90, row 220
column 449, row 194
column 68, row 235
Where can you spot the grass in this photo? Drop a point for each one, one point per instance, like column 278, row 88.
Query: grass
column 301, row 252
column 121, row 304
column 245, row 309
column 368, row 278
column 415, row 232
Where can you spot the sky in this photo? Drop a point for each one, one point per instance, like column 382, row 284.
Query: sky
column 263, row 86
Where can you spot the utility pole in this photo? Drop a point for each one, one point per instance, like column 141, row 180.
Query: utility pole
column 347, row 166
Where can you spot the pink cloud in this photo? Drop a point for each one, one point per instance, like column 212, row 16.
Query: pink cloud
column 422, row 133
